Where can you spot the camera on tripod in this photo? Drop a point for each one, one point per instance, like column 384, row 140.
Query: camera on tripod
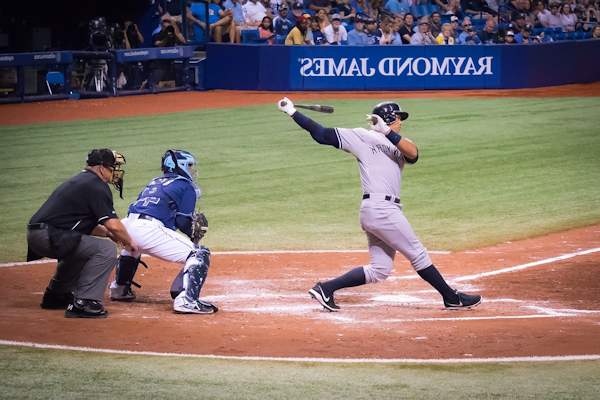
column 100, row 39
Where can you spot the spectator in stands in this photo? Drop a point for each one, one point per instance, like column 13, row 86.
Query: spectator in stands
column 449, row 7
column 468, row 34
column 435, row 23
column 347, row 13
column 220, row 22
column 357, row 36
column 335, row 33
column 373, row 32
column 297, row 35
column 398, row 6
column 406, row 31
column 282, row 24
column 237, row 13
column 455, row 26
column 568, row 18
column 297, row 10
column 489, row 33
column 362, row 7
column 596, row 32
column 318, row 5
column 254, row 12
column 133, row 37
column 516, row 7
column 423, row 36
column 387, row 34
column 524, row 36
column 268, row 10
column 314, row 35
column 445, row 36
column 169, row 34
column 323, row 19
column 477, row 8
column 518, row 22
column 592, row 12
column 265, row 30
column 550, row 19
column 509, row 37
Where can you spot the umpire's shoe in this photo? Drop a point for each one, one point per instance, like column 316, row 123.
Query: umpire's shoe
column 84, row 308
column 463, row 301
column 326, row 301
column 121, row 292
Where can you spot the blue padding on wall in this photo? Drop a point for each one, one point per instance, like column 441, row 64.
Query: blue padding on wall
column 284, row 68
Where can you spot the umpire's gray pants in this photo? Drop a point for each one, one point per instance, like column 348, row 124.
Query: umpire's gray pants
column 85, row 272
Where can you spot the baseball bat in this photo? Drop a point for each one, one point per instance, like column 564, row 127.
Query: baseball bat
column 316, row 107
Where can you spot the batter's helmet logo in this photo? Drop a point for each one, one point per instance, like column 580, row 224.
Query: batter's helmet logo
column 389, row 111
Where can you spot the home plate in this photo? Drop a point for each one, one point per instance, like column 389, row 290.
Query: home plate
column 398, row 298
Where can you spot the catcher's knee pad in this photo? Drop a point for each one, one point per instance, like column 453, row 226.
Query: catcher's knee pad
column 376, row 272
column 126, row 269
column 192, row 276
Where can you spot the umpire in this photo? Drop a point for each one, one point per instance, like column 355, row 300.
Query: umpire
column 67, row 227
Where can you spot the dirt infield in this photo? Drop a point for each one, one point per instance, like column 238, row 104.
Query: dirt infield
column 541, row 298
column 69, row 110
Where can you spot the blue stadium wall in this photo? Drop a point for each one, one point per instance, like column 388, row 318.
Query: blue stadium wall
column 289, row 68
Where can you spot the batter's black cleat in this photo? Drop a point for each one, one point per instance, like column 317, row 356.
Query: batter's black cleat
column 121, row 292
column 319, row 295
column 83, row 308
column 463, row 301
column 55, row 301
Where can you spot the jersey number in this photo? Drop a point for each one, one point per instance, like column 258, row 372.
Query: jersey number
column 148, row 200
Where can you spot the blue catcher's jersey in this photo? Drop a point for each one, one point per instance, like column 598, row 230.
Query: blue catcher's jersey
column 166, row 197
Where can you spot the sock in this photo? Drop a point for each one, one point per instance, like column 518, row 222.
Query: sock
column 433, row 277
column 355, row 277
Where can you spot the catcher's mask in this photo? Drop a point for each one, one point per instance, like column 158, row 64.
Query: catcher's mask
column 180, row 162
column 112, row 160
column 389, row 111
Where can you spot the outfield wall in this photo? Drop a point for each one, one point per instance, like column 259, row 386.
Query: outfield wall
column 288, row 68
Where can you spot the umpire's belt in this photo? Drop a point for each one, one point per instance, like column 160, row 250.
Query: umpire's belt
column 38, row 226
column 381, row 196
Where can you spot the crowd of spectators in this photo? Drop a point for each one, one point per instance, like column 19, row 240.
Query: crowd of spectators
column 383, row 22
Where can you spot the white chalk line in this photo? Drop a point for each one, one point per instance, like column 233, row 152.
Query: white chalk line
column 487, row 360
column 521, row 267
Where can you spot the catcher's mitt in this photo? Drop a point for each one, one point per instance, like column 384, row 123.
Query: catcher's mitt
column 199, row 226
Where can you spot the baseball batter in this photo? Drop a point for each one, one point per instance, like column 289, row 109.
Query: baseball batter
column 166, row 204
column 381, row 154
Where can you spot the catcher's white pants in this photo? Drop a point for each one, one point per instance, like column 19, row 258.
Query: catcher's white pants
column 155, row 239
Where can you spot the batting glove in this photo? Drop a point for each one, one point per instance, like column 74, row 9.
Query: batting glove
column 286, row 106
column 378, row 124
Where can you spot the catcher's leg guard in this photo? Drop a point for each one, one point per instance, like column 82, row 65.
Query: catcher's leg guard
column 195, row 271
column 120, row 289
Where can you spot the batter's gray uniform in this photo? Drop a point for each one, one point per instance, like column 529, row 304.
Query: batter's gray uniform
column 380, row 164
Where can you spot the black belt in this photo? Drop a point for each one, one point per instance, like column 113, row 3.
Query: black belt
column 145, row 216
column 38, row 226
column 387, row 197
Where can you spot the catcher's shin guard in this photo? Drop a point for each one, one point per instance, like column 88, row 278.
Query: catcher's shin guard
column 126, row 270
column 195, row 272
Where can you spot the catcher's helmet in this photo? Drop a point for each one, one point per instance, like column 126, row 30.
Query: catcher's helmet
column 388, row 112
column 180, row 162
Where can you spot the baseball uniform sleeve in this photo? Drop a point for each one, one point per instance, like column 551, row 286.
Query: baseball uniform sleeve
column 101, row 204
column 351, row 140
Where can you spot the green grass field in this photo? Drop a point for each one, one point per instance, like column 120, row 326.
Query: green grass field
column 490, row 170
column 76, row 375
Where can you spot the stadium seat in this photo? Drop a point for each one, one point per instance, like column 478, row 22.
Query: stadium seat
column 537, row 31
column 432, row 8
column 54, row 78
column 249, row 35
column 587, row 35
column 558, row 36
column 570, row 36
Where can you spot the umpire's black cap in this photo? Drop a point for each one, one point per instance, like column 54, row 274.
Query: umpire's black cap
column 389, row 111
column 105, row 157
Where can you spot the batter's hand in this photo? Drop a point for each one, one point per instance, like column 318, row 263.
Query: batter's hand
column 378, row 124
column 286, row 106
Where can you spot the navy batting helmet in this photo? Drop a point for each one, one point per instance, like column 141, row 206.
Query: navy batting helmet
column 389, row 111
column 180, row 162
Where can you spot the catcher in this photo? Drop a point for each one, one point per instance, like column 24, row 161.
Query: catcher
column 166, row 204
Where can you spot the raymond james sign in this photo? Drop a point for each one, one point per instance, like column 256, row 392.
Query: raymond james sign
column 396, row 66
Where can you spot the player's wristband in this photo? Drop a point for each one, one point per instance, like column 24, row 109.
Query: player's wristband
column 394, row 138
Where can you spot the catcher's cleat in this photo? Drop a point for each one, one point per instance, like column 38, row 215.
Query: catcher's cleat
column 182, row 306
column 465, row 301
column 319, row 295
column 83, row 308
column 121, row 292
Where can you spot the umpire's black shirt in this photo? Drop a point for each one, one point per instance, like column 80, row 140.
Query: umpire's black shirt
column 79, row 204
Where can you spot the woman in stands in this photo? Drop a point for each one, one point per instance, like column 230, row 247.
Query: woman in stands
column 568, row 18
column 265, row 30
